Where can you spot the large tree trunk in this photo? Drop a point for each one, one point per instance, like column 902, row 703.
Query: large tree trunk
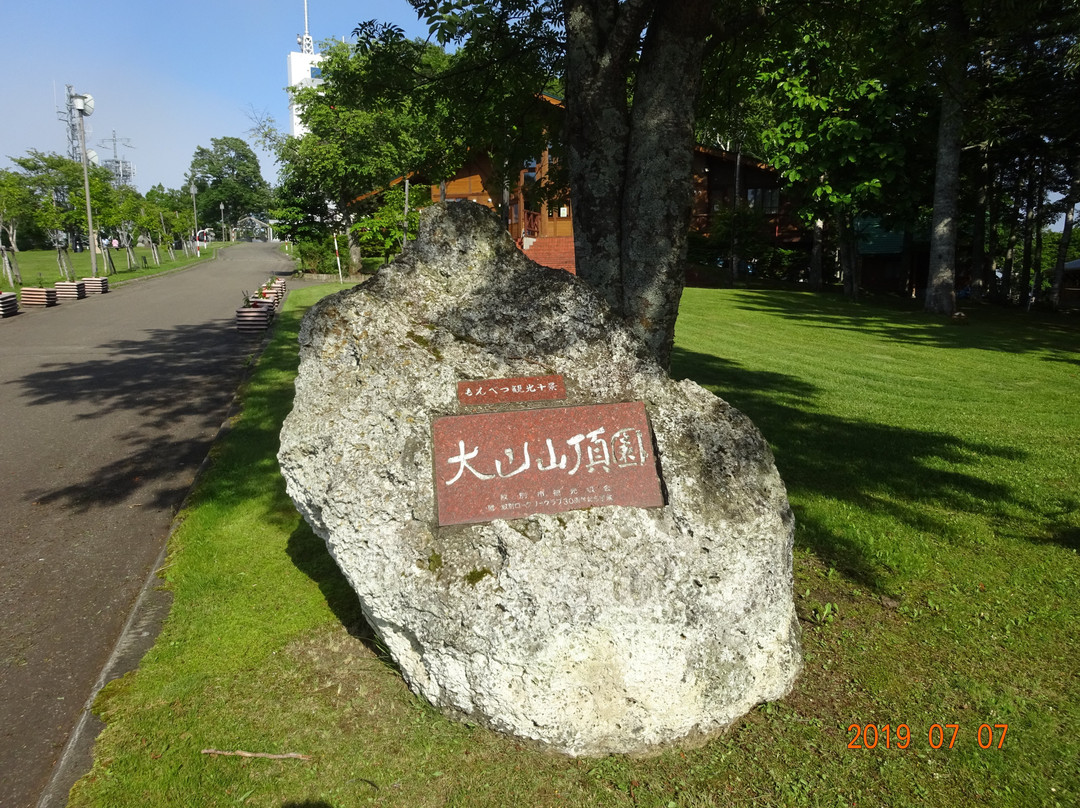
column 599, row 46
column 659, row 176
column 978, row 234
column 941, row 284
column 736, row 209
column 631, row 168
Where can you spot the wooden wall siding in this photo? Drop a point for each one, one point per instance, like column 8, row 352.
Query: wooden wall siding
column 713, row 189
column 459, row 188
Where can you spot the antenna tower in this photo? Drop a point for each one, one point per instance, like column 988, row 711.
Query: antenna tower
column 306, row 43
column 70, row 118
column 123, row 171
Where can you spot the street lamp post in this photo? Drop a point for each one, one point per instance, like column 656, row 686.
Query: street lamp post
column 84, row 105
column 195, row 214
column 222, row 206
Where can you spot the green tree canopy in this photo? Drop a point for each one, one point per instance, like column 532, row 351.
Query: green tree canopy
column 228, row 172
column 56, row 184
column 16, row 205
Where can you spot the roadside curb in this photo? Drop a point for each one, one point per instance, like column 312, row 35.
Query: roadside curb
column 144, row 623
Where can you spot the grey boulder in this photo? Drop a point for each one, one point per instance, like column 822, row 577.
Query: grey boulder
column 592, row 631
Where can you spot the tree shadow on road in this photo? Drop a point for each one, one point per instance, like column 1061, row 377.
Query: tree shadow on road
column 172, row 388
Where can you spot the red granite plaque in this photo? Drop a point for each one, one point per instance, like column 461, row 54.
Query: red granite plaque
column 505, row 465
column 520, row 388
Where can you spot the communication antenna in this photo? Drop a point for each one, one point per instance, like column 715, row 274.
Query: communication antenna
column 84, row 104
column 123, row 171
column 306, row 43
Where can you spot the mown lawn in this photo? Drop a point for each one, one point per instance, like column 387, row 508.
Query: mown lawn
column 935, row 473
column 40, row 267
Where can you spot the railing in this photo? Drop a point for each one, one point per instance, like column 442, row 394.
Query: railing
column 530, row 225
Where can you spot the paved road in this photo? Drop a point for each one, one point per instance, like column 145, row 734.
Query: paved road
column 107, row 408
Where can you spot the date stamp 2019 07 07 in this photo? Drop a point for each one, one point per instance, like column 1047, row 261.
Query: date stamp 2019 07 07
column 939, row 736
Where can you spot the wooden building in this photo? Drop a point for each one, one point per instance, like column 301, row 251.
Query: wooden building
column 1070, row 289
column 545, row 229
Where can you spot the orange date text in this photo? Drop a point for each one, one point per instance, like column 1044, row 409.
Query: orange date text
column 938, row 736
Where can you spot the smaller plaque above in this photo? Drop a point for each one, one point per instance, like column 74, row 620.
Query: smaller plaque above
column 504, row 391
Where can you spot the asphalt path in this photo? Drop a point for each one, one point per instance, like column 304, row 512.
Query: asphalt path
column 108, row 406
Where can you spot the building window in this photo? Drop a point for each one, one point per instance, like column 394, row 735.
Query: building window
column 767, row 200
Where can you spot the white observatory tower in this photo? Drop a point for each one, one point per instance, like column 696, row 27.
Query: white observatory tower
column 304, row 71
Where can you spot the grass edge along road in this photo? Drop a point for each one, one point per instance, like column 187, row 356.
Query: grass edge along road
column 932, row 469
column 39, row 267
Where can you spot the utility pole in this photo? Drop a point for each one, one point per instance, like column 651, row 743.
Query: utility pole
column 195, row 214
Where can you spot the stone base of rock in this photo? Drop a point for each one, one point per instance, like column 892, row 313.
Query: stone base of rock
column 597, row 630
column 96, row 286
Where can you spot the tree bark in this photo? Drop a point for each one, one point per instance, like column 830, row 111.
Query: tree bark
column 599, row 45
column 631, row 166
column 978, row 234
column 736, row 203
column 659, row 176
column 941, row 284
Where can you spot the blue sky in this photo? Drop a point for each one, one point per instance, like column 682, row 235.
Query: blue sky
column 166, row 76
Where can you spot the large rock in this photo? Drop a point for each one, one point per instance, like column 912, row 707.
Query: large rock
column 609, row 629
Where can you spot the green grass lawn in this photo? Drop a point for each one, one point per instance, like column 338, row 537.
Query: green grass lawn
column 934, row 470
column 39, row 267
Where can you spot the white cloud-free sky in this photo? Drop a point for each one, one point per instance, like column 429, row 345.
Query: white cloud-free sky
column 166, row 76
